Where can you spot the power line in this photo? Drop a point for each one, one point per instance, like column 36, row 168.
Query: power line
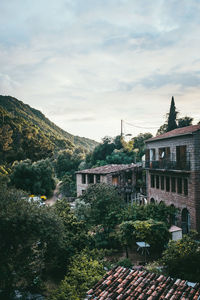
column 133, row 125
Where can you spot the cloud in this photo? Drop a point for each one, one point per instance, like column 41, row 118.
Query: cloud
column 86, row 119
column 183, row 80
column 88, row 64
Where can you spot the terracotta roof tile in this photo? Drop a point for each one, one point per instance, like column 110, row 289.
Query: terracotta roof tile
column 126, row 284
column 176, row 132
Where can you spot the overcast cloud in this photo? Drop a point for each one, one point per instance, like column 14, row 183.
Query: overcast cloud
column 88, row 64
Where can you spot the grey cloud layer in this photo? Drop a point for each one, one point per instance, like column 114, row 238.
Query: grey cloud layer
column 100, row 61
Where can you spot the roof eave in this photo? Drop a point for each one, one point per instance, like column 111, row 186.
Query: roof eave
column 169, row 137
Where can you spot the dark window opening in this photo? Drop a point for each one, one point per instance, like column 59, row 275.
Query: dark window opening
column 128, row 177
column 152, row 181
column 164, row 153
column 157, row 182
column 185, row 187
column 152, row 201
column 90, row 178
column 185, row 218
column 181, row 156
column 179, row 181
column 115, row 180
column 173, row 182
column 147, row 155
column 167, row 184
column 172, row 218
column 83, row 178
column 162, row 182
column 97, row 178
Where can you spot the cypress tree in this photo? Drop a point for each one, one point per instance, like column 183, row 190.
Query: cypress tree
column 171, row 123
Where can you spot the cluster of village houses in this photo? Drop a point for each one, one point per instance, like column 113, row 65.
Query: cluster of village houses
column 169, row 174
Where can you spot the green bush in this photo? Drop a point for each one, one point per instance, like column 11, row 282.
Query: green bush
column 126, row 263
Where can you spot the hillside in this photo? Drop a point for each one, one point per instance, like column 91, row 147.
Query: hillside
column 26, row 133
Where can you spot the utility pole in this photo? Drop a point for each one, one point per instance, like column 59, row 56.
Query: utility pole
column 121, row 128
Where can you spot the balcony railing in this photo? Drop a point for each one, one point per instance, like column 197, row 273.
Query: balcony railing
column 168, row 165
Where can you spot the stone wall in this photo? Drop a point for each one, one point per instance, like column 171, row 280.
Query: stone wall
column 192, row 200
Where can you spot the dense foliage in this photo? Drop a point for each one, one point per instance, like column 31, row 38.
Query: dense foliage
column 118, row 151
column 30, row 236
column 26, row 133
column 68, row 161
column 172, row 122
column 83, row 273
column 158, row 212
column 105, row 205
column 155, row 233
column 35, row 241
column 36, row 178
column 182, row 259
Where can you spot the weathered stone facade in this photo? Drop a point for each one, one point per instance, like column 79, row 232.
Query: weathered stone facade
column 123, row 177
column 173, row 173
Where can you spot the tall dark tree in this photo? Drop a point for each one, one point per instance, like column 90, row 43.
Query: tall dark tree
column 171, row 124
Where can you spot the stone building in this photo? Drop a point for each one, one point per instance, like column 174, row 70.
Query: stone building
column 127, row 178
column 173, row 173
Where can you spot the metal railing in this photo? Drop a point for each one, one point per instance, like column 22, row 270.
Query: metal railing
column 168, row 164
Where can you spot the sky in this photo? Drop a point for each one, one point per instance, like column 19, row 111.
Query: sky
column 87, row 64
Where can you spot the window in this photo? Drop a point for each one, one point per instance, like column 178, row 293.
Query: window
column 173, row 183
column 164, row 153
column 179, row 182
column 90, row 178
column 181, row 157
column 97, row 178
column 185, row 187
column 152, row 181
column 147, row 155
column 115, row 180
column 83, row 178
column 157, row 181
column 167, row 184
column 162, row 182
column 152, row 154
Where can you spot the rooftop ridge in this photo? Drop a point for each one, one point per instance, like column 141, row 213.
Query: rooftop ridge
column 176, row 132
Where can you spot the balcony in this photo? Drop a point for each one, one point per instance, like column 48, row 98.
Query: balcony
column 167, row 164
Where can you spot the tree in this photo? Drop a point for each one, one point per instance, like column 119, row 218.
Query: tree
column 36, row 178
column 30, row 236
column 75, row 236
column 171, row 123
column 139, row 143
column 5, row 137
column 183, row 122
column 68, row 161
column 152, row 232
column 83, row 273
column 102, row 150
column 112, row 151
column 162, row 129
column 127, row 234
column 182, row 259
column 158, row 212
column 105, row 205
column 67, row 187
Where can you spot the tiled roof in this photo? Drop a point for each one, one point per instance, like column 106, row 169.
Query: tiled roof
column 121, row 283
column 108, row 169
column 176, row 132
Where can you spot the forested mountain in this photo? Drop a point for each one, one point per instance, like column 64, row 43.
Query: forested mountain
column 26, row 133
